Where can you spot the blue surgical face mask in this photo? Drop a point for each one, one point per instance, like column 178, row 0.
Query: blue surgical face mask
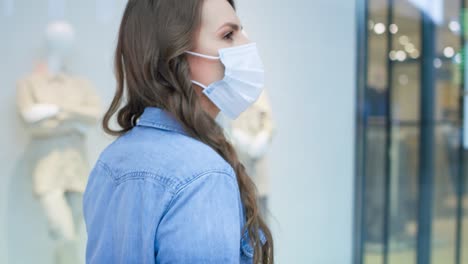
column 243, row 79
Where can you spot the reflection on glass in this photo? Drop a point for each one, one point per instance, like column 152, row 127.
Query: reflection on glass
column 392, row 184
column 375, row 116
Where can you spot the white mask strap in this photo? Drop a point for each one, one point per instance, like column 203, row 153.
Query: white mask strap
column 202, row 55
column 199, row 84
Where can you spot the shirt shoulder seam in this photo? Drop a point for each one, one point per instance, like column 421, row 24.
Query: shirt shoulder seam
column 201, row 174
column 193, row 179
column 166, row 182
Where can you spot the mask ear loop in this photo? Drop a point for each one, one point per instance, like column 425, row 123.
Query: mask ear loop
column 199, row 84
column 202, row 55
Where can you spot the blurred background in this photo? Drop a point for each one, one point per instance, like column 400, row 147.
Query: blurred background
column 368, row 160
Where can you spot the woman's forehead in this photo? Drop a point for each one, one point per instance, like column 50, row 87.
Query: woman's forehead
column 215, row 13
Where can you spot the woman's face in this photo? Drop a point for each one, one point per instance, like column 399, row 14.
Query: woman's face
column 220, row 28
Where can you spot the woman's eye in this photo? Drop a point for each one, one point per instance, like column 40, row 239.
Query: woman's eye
column 228, row 35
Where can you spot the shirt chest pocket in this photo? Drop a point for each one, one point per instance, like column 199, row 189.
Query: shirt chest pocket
column 246, row 247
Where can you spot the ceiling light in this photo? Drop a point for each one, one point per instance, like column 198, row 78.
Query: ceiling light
column 379, row 28
column 403, row 40
column 449, row 52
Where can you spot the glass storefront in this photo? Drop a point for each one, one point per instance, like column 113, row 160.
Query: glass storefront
column 411, row 162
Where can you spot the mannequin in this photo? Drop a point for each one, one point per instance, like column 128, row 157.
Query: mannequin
column 56, row 109
column 251, row 134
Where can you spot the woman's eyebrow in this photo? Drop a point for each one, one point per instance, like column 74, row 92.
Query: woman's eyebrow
column 234, row 26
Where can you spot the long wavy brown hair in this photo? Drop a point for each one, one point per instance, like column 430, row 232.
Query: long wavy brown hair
column 151, row 70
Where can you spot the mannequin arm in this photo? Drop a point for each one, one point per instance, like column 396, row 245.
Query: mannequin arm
column 84, row 114
column 38, row 112
column 241, row 140
column 46, row 120
column 255, row 146
column 89, row 110
column 260, row 144
column 25, row 103
column 38, row 117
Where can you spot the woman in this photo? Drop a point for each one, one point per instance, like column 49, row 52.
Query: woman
column 170, row 188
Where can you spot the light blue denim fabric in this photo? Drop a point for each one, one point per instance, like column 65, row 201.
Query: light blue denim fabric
column 156, row 195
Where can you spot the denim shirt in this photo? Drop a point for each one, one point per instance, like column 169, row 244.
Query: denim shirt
column 157, row 195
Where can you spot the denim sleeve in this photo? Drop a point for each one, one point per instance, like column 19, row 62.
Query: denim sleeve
column 141, row 203
column 202, row 223
column 122, row 220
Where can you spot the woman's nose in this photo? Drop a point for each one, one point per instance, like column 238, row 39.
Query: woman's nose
column 244, row 39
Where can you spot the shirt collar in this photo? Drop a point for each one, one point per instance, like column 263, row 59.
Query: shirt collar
column 160, row 118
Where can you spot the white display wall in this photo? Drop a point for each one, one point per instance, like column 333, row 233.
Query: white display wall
column 309, row 50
